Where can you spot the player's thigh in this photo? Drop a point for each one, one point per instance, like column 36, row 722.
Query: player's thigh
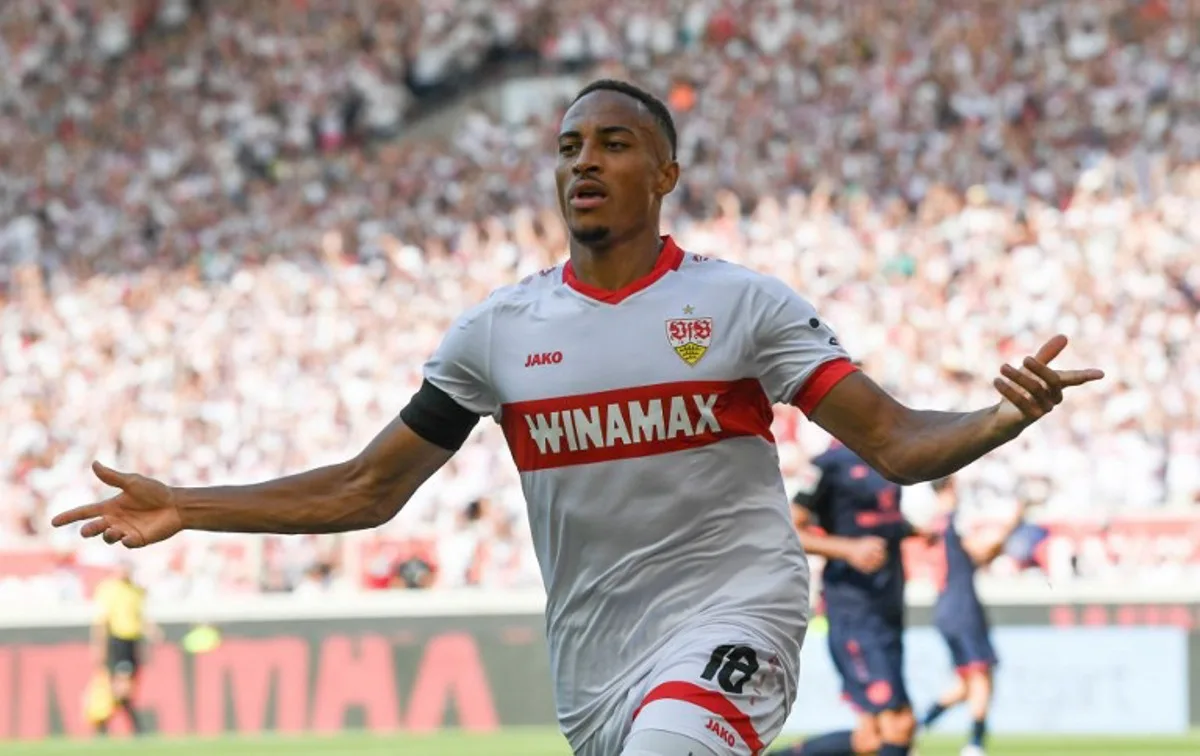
column 959, row 655
column 871, row 663
column 971, row 651
column 728, row 691
column 982, row 651
column 865, row 737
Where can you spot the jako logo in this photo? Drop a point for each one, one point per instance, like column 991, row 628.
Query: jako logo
column 543, row 358
column 722, row 733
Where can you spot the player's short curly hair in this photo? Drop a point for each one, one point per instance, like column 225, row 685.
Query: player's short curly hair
column 657, row 108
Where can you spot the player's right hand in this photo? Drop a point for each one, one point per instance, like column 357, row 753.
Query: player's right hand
column 1031, row 392
column 144, row 512
column 867, row 554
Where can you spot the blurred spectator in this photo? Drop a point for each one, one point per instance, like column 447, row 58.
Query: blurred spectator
column 315, row 581
column 415, row 572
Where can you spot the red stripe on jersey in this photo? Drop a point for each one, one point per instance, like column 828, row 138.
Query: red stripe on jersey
column 709, row 700
column 669, row 259
column 633, row 422
column 823, row 379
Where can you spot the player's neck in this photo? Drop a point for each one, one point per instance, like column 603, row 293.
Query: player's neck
column 614, row 267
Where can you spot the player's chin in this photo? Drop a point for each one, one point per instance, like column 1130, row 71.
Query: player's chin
column 590, row 233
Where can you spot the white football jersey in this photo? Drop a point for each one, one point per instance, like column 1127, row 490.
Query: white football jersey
column 639, row 421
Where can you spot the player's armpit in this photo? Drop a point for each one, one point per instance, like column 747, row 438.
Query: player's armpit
column 906, row 446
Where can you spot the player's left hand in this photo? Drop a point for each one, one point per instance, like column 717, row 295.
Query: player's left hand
column 1033, row 391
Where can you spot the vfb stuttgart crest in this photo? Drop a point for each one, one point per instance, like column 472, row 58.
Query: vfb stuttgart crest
column 690, row 337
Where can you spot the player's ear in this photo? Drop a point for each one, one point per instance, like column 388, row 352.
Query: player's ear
column 668, row 177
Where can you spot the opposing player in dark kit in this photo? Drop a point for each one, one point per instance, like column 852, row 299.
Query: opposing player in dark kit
column 960, row 617
column 863, row 589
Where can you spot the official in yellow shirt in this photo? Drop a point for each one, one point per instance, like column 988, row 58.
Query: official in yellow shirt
column 118, row 633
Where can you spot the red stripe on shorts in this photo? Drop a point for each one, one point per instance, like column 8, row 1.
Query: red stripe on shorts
column 709, row 700
column 977, row 666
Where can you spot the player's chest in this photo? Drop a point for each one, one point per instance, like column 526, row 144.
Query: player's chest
column 590, row 348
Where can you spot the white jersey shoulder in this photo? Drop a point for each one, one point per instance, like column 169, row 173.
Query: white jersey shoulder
column 462, row 364
column 791, row 341
column 766, row 290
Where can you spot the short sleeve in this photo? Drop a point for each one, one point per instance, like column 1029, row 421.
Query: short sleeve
column 799, row 357
column 460, row 366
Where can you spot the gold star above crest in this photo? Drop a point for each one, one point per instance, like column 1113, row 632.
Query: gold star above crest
column 688, row 310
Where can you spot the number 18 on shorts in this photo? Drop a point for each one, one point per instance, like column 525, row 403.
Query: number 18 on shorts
column 733, row 697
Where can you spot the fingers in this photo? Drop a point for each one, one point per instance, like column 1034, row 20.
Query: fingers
column 133, row 541
column 110, row 476
column 876, row 554
column 94, row 528
column 112, row 533
column 1018, row 398
column 78, row 513
column 1051, row 349
column 1079, row 377
column 1057, row 380
column 1049, row 378
column 1036, row 393
column 1036, row 388
column 870, row 554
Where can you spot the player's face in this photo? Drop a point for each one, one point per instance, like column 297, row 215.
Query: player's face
column 614, row 168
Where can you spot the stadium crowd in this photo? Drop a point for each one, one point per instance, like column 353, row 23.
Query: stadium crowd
column 220, row 259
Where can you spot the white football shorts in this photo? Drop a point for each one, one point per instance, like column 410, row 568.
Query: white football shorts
column 720, row 685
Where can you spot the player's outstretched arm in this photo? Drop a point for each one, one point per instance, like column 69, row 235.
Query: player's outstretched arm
column 362, row 492
column 909, row 446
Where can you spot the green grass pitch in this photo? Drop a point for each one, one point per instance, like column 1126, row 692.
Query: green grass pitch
column 540, row 742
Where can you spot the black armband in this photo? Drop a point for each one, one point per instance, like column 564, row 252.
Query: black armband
column 436, row 417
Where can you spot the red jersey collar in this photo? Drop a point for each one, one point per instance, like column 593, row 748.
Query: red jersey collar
column 669, row 258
